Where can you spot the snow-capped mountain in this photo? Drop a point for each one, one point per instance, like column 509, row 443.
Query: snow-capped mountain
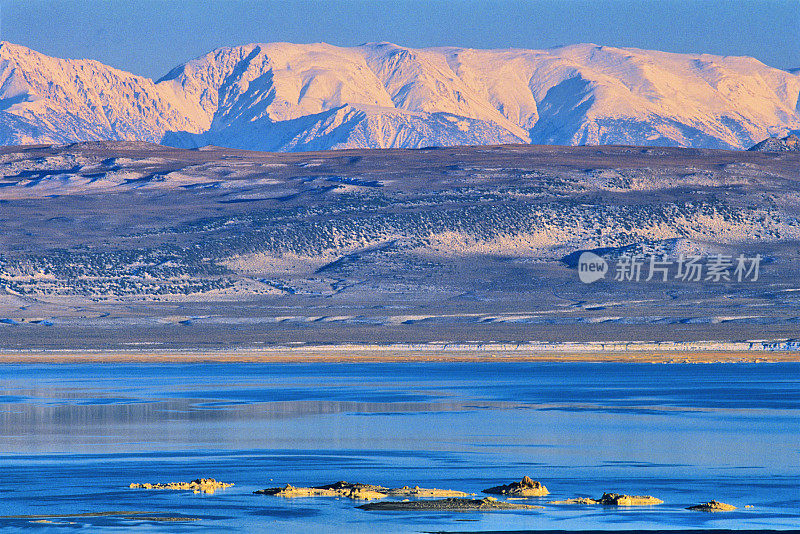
column 285, row 97
column 49, row 100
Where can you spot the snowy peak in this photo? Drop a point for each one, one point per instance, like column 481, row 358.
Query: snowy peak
column 423, row 80
column 60, row 101
column 284, row 96
column 589, row 94
column 282, row 81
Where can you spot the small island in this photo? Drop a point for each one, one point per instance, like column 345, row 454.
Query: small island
column 527, row 487
column 358, row 491
column 487, row 504
column 614, row 499
column 198, row 485
column 712, row 506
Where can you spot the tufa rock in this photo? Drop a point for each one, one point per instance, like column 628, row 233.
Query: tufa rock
column 198, row 485
column 487, row 504
column 576, row 500
column 527, row 487
column 617, row 499
column 614, row 499
column 712, row 506
column 357, row 491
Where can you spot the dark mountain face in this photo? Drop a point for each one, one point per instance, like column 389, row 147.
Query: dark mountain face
column 790, row 143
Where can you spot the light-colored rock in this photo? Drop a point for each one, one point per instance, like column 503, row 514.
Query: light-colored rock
column 487, row 504
column 616, row 499
column 199, row 485
column 418, row 492
column 527, row 487
column 355, row 491
column 712, row 506
column 576, row 500
column 358, row 491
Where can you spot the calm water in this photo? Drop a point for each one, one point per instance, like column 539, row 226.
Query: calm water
column 73, row 437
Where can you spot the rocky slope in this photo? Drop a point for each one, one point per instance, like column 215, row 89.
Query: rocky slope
column 50, row 100
column 790, row 143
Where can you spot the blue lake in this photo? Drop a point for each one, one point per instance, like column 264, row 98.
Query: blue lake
column 73, row 437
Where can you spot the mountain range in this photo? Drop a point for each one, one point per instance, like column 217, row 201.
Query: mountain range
column 302, row 97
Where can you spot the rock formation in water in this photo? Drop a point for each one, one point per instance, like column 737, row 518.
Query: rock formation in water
column 614, row 499
column 486, row 504
column 712, row 506
column 198, row 485
column 527, row 487
column 576, row 500
column 358, row 491
column 617, row 499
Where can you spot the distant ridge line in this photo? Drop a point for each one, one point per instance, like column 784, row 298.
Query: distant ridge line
column 309, row 97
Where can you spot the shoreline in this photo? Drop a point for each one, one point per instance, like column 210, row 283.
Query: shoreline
column 572, row 353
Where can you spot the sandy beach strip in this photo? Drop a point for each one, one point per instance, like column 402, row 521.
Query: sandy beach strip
column 638, row 353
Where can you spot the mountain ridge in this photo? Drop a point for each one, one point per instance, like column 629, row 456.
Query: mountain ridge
column 287, row 97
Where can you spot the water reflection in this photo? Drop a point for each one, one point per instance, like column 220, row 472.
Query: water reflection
column 685, row 433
